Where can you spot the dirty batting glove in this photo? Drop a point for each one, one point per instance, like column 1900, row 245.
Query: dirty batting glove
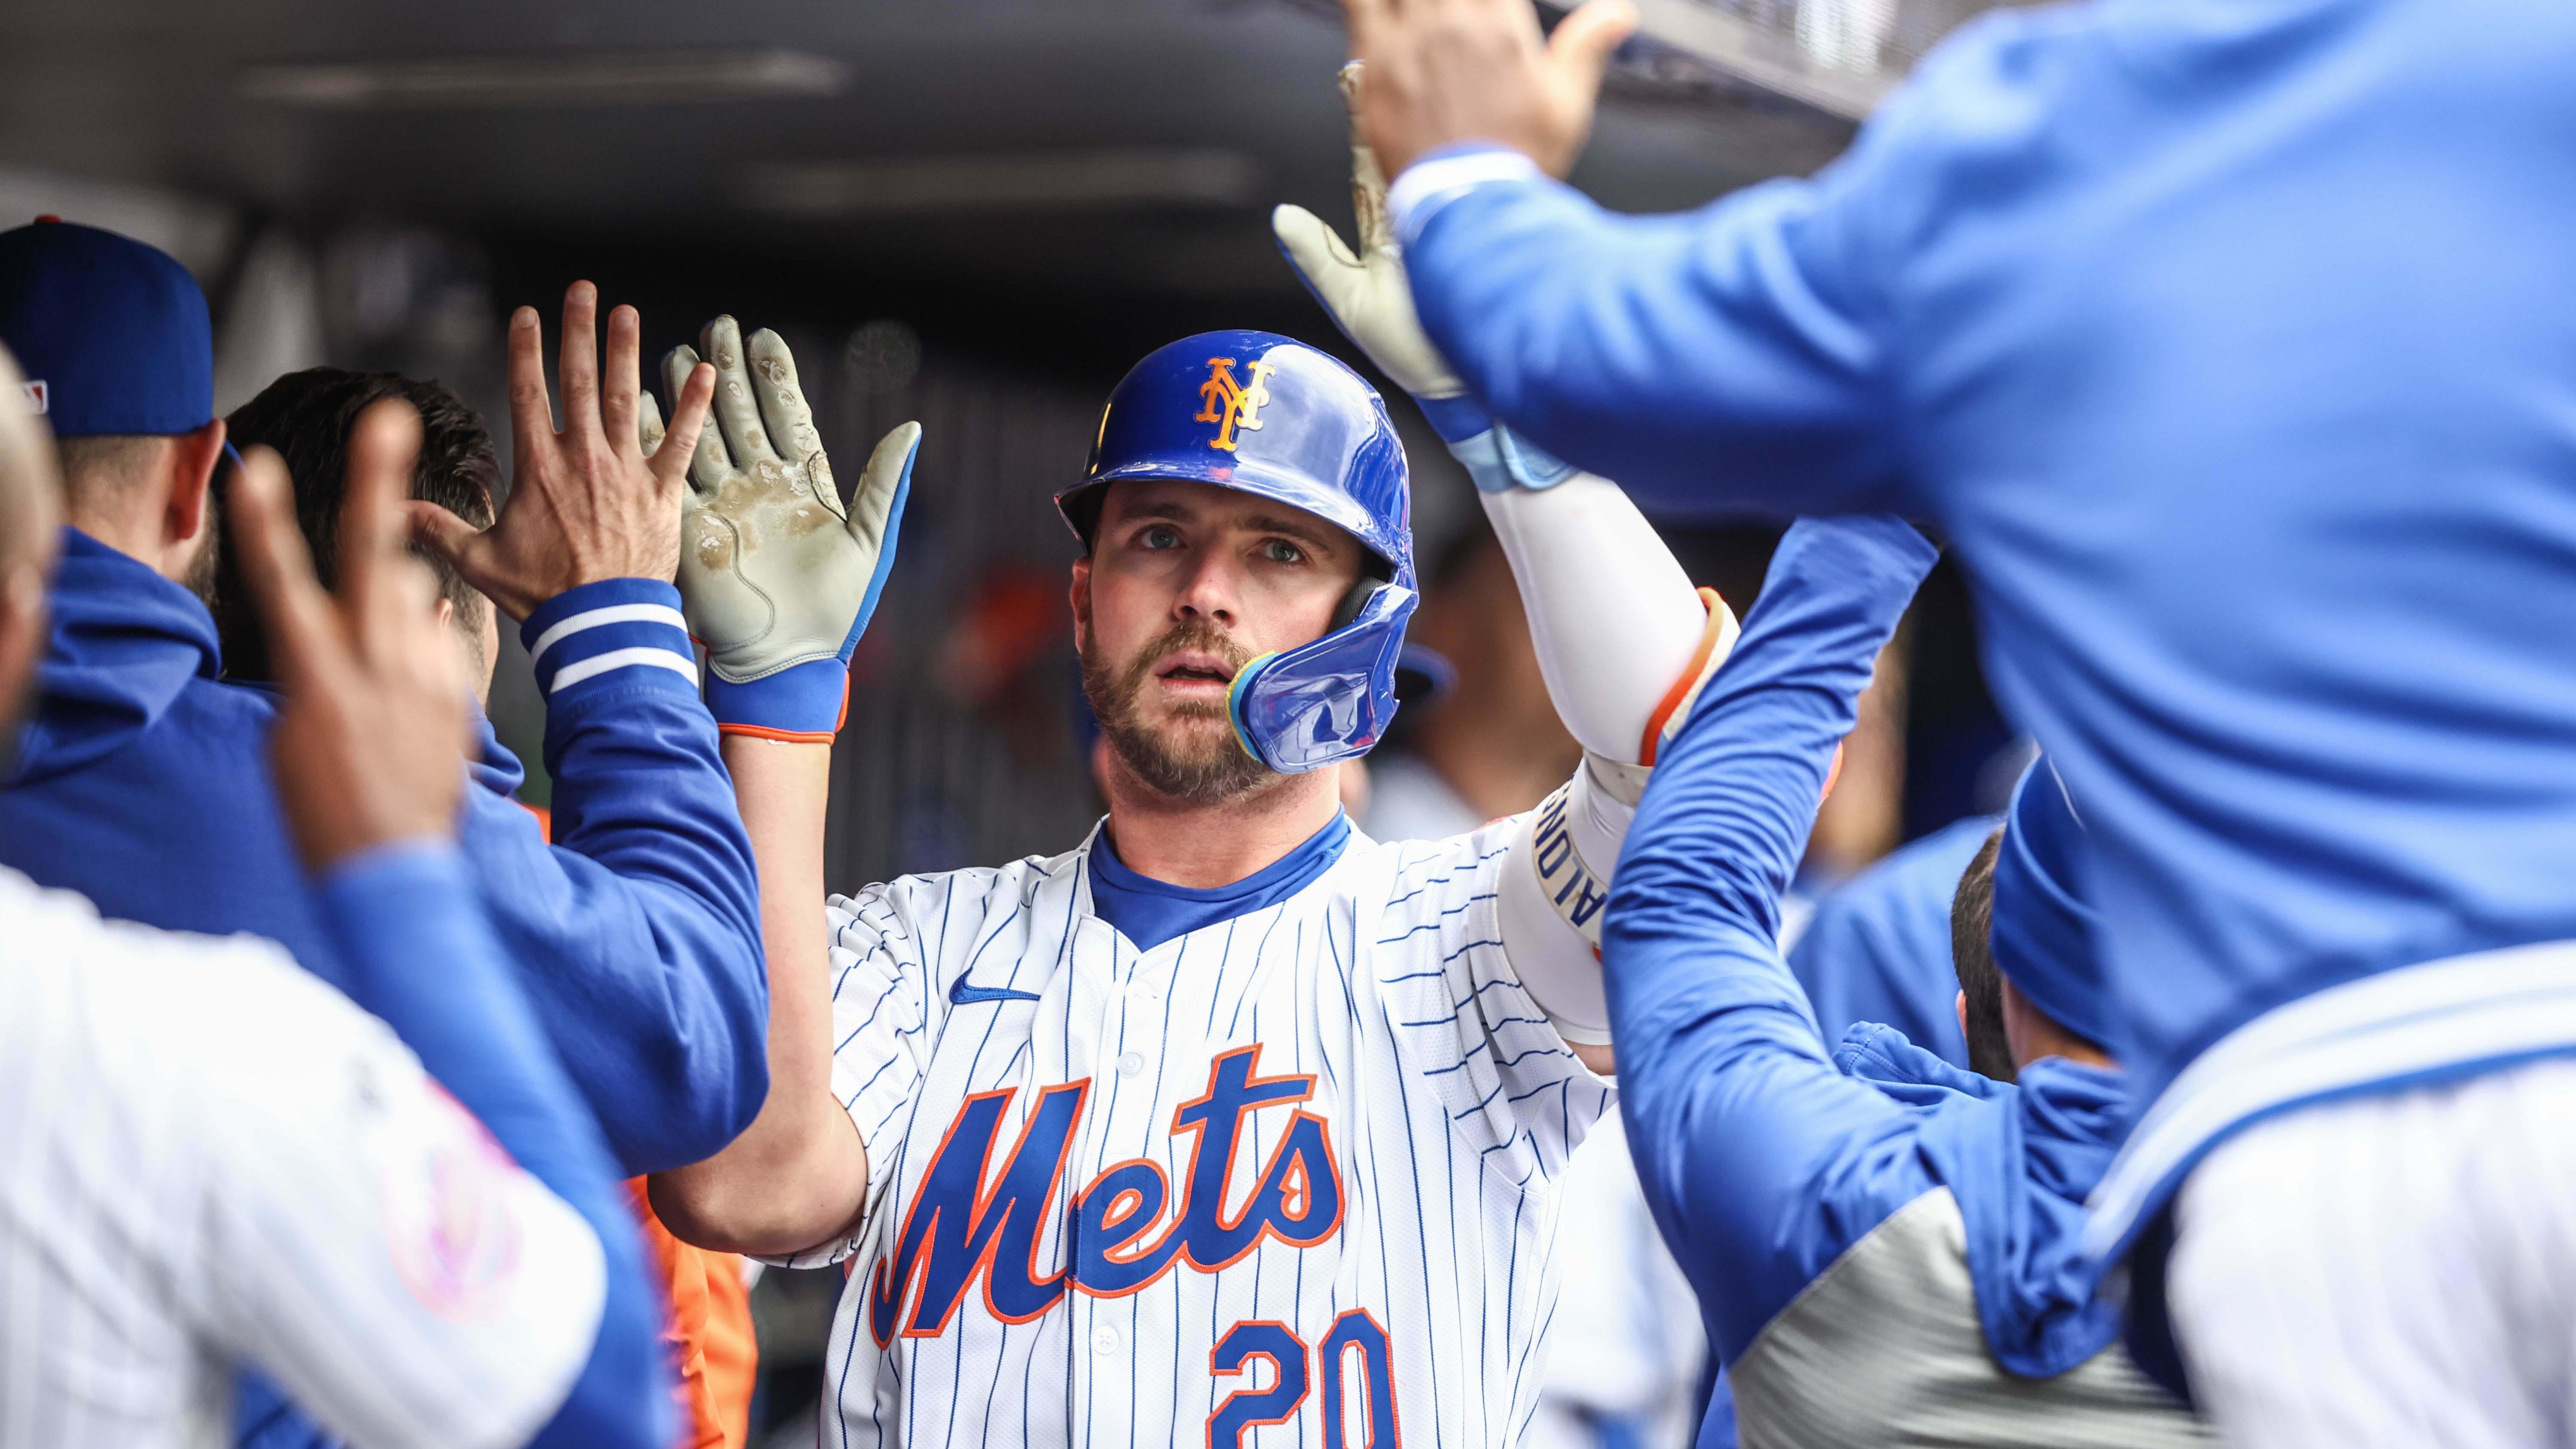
column 777, row 578
column 1372, row 302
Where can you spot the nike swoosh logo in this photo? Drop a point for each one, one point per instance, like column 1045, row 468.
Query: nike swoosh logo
column 961, row 994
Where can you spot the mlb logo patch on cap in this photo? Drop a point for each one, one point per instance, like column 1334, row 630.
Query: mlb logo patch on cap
column 39, row 396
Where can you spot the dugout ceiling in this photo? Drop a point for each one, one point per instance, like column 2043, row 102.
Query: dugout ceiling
column 1031, row 145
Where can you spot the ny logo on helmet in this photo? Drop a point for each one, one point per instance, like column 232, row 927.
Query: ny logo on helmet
column 1231, row 405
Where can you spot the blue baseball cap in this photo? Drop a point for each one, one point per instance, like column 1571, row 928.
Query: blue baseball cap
column 111, row 334
column 2043, row 927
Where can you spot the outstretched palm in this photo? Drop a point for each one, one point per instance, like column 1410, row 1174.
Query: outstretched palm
column 773, row 569
column 585, row 503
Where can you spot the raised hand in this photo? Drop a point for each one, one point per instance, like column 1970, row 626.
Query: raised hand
column 1441, row 71
column 368, row 745
column 1372, row 302
column 1367, row 293
column 585, row 503
column 778, row 579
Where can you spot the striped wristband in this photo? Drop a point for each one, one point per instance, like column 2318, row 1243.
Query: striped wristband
column 1443, row 175
column 615, row 633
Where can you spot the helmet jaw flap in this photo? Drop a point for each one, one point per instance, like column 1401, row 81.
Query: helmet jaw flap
column 1321, row 703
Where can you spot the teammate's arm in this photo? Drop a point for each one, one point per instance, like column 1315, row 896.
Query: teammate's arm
column 1622, row 638
column 638, row 929
column 365, row 756
column 1729, row 358
column 780, row 604
column 1740, row 1123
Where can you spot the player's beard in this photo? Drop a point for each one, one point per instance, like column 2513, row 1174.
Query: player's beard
column 1195, row 767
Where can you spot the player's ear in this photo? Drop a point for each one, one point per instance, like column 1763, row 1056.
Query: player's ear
column 1959, row 1003
column 192, row 483
column 1080, row 596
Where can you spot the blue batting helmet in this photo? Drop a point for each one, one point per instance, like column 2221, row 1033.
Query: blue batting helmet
column 1268, row 415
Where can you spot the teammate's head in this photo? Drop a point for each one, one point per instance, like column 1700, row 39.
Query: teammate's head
column 113, row 339
column 30, row 519
column 1248, row 566
column 2021, row 935
column 307, row 417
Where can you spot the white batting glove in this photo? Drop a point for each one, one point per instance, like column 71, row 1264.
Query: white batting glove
column 777, row 578
column 1371, row 300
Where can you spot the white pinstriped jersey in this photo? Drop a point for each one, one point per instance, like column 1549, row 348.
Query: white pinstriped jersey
column 1286, row 1179
column 207, row 1155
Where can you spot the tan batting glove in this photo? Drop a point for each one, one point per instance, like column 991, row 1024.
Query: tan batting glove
column 777, row 577
column 1367, row 294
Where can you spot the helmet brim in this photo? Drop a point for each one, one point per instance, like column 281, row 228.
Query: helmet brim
column 1081, row 504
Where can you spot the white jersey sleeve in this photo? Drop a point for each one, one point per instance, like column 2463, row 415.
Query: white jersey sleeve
column 1463, row 1017
column 206, row 1156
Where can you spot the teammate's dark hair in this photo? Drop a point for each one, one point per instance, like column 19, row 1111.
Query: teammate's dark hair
column 307, row 417
column 1972, row 924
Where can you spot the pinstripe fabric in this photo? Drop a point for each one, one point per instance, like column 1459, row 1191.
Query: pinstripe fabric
column 1448, row 1101
column 208, row 1156
column 2393, row 1269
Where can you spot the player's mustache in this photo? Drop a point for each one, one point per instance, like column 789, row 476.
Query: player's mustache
column 1193, row 634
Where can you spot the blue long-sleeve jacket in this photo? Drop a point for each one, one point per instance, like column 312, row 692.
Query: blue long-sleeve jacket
column 143, row 783
column 1768, row 1160
column 417, row 951
column 2224, row 341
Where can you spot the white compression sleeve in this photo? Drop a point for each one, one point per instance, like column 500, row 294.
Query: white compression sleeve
column 1616, row 621
column 1622, row 636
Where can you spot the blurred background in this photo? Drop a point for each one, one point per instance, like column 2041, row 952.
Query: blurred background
column 975, row 213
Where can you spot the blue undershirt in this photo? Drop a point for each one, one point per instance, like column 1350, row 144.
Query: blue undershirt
column 1149, row 912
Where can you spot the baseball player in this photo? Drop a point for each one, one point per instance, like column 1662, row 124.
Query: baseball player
column 143, row 780
column 1229, row 1125
column 209, row 1156
column 1884, row 1245
column 310, row 419
column 2226, row 378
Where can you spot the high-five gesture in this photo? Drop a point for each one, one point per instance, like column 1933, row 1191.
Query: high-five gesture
column 367, row 744
column 1441, row 71
column 777, row 576
column 585, row 503
column 1366, row 292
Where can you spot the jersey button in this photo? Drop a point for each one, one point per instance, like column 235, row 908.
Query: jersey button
column 1128, row 1066
column 1142, row 991
column 1104, row 1340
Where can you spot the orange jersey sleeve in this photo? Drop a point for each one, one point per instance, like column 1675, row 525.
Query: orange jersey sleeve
column 713, row 1350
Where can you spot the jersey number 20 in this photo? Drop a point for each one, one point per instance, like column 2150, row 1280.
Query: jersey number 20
column 1353, row 1332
